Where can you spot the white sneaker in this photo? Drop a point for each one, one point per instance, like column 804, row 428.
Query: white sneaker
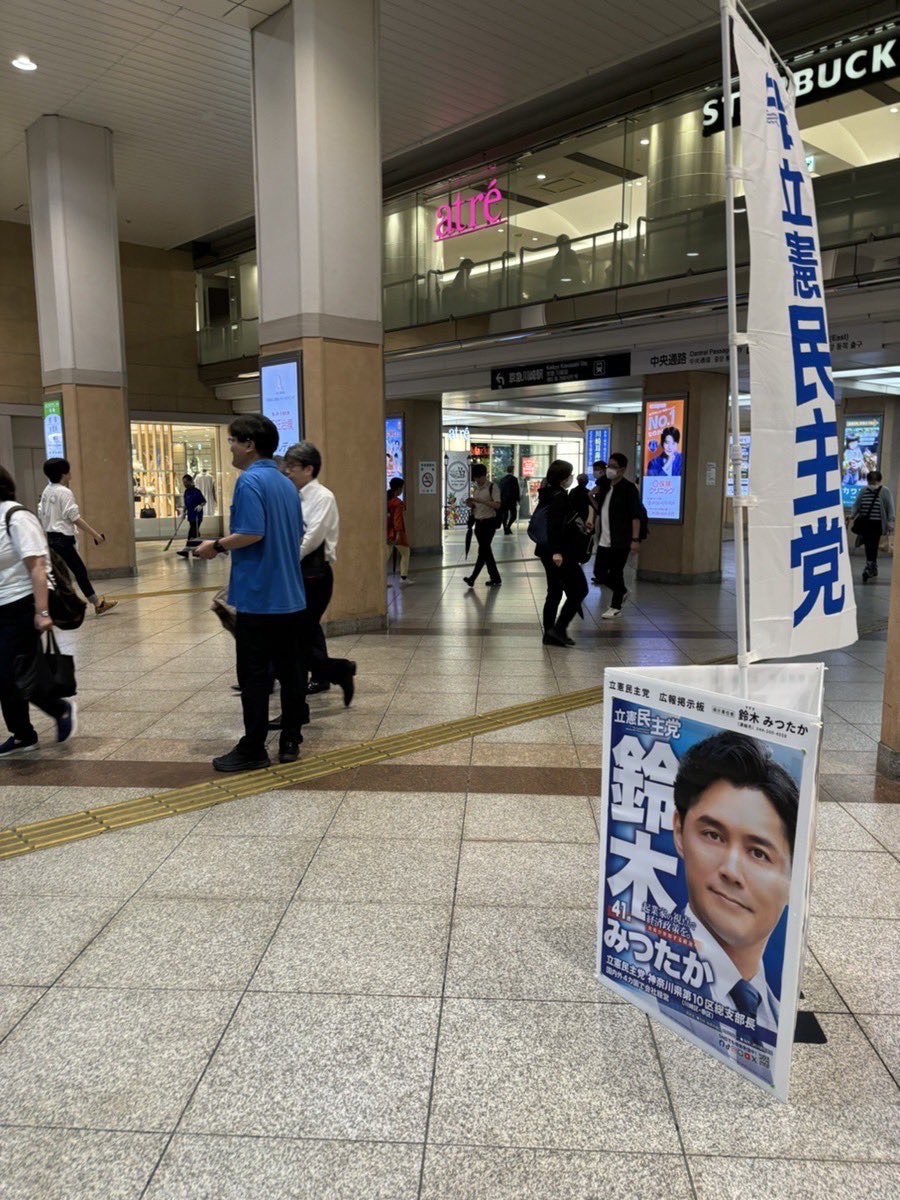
column 405, row 581
column 611, row 614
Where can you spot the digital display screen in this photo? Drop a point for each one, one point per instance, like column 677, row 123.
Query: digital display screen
column 596, row 446
column 279, row 383
column 53, row 427
column 859, row 455
column 393, row 449
column 661, row 478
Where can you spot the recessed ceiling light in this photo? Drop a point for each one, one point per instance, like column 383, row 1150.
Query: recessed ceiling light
column 637, row 183
column 645, row 141
column 534, row 239
column 565, row 279
column 894, row 108
column 542, row 176
column 693, row 253
column 24, row 63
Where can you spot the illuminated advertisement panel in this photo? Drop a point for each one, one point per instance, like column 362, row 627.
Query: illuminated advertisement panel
column 664, row 445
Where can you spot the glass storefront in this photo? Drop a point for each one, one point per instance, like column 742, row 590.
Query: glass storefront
column 530, row 459
column 161, row 455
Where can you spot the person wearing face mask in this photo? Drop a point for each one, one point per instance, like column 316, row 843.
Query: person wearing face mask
column 558, row 551
column 618, row 504
column 871, row 517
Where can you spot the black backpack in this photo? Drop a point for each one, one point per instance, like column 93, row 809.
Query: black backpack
column 67, row 608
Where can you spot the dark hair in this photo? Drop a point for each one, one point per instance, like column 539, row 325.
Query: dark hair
column 619, row 459
column 599, row 463
column 478, row 470
column 510, row 468
column 255, row 428
column 305, row 454
column 582, row 480
column 7, row 485
column 873, row 477
column 744, row 762
column 55, row 468
column 558, row 472
column 187, row 479
column 396, row 484
column 672, row 432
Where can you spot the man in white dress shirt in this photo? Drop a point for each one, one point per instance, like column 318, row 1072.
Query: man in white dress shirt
column 734, row 828
column 318, row 551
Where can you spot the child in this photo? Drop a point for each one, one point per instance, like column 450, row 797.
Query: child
column 59, row 515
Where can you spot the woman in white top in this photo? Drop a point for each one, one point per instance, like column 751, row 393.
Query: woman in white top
column 24, row 616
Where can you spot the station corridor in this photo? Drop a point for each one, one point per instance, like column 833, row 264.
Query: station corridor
column 379, row 984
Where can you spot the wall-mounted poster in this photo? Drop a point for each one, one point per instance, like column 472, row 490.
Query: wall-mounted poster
column 456, row 488
column 862, row 446
column 661, row 478
column 53, row 427
column 745, row 467
column 393, row 449
column 596, row 446
column 281, row 392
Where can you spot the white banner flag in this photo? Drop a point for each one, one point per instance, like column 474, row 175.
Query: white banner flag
column 801, row 589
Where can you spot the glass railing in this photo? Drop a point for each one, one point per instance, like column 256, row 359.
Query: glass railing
column 220, row 343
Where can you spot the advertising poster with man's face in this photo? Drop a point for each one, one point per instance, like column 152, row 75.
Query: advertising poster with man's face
column 705, row 826
column 862, row 437
column 661, row 477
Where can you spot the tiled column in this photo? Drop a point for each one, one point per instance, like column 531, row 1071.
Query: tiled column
column 75, row 248
column 692, row 551
column 318, row 222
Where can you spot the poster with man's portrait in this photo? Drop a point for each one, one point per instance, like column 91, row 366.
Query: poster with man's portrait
column 706, row 828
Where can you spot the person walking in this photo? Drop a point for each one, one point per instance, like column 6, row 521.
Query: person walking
column 618, row 505
column 560, row 553
column 318, row 552
column 396, row 528
column 25, row 577
column 872, row 516
column 193, row 508
column 510, row 496
column 60, row 516
column 266, row 589
column 484, row 505
column 581, row 498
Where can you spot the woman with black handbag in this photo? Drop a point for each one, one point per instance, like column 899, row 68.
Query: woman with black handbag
column 562, row 548
column 872, row 516
column 24, row 617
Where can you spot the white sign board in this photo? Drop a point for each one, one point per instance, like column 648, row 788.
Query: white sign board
column 706, row 834
column 281, row 400
column 428, row 478
column 801, row 589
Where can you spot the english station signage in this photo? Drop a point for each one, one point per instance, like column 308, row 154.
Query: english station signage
column 857, row 64
column 469, row 214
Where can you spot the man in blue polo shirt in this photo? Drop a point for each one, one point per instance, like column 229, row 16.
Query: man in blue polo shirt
column 266, row 588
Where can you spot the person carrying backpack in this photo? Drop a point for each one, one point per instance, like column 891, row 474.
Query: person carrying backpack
column 561, row 540
column 619, row 527
column 872, row 516
column 59, row 516
column 25, row 577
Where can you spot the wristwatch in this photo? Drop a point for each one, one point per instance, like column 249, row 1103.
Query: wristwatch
column 44, row 613
column 218, row 547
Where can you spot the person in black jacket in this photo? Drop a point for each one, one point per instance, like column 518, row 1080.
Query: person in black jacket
column 581, row 498
column 510, row 495
column 618, row 505
column 560, row 555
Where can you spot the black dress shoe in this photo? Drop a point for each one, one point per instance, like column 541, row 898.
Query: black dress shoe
column 314, row 688
column 347, row 682
column 239, row 760
column 468, row 580
column 556, row 639
column 288, row 750
column 494, row 583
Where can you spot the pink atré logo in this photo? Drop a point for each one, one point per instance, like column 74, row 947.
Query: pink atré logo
column 450, row 223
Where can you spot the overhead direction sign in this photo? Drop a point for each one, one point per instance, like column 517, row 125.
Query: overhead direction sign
column 574, row 370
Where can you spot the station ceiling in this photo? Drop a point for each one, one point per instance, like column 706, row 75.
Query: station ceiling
column 172, row 80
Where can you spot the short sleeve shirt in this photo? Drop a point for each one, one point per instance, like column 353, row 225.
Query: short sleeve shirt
column 58, row 509
column 265, row 577
column 24, row 539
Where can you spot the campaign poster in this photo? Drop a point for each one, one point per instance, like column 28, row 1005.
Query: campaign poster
column 661, row 476
column 745, row 467
column 280, row 390
column 393, row 449
column 596, row 446
column 862, row 443
column 706, row 828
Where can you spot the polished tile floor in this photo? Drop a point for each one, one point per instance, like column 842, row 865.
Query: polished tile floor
column 381, row 987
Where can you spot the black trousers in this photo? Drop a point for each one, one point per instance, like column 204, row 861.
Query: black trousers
column 610, row 571
column 871, row 538
column 19, row 636
column 319, row 586
column 508, row 515
column 270, row 645
column 484, row 535
column 194, row 529
column 67, row 550
column 566, row 580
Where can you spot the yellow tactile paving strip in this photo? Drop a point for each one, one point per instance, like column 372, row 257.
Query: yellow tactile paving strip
column 41, row 835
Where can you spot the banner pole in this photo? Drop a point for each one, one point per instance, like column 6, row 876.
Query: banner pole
column 739, row 502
